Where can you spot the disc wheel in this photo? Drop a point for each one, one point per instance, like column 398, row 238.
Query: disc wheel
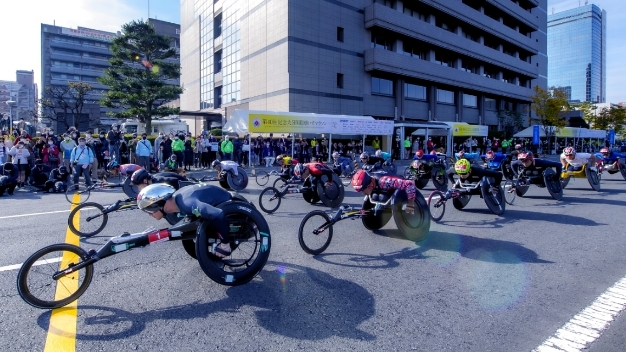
column 565, row 182
column 509, row 191
column 250, row 244
column 238, row 182
column 90, row 218
column 592, row 177
column 421, row 182
column 521, row 190
column 493, row 197
column 35, row 282
column 332, row 196
column 315, row 232
column 551, row 180
column 375, row 222
column 261, row 178
column 414, row 226
column 438, row 176
column 461, row 201
column 436, row 205
column 79, row 189
column 269, row 200
column 622, row 170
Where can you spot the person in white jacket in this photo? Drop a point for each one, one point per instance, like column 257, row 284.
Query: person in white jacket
column 20, row 160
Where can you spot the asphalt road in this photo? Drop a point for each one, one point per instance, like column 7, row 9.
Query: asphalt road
column 479, row 282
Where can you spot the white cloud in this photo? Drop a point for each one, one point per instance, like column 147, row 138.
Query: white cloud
column 20, row 23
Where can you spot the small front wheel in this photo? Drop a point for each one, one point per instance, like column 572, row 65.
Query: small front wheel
column 436, row 205
column 315, row 232
column 269, row 200
column 87, row 219
column 35, row 282
column 510, row 191
column 77, row 193
column 262, row 177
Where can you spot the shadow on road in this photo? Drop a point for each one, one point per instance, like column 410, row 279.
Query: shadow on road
column 291, row 300
column 515, row 215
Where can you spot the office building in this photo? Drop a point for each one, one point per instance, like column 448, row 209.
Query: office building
column 577, row 53
column 414, row 62
column 82, row 54
column 23, row 91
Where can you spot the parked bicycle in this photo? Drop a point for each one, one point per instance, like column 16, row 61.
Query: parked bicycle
column 59, row 274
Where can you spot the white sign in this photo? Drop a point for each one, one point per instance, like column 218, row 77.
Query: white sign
column 85, row 33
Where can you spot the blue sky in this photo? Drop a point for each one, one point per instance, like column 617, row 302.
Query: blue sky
column 20, row 24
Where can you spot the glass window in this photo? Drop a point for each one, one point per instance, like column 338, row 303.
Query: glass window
column 340, row 80
column 413, row 91
column 490, row 104
column 470, row 100
column 445, row 96
column 382, row 86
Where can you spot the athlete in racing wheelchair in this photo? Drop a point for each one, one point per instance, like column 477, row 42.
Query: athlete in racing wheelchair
column 534, row 171
column 425, row 167
column 230, row 175
column 608, row 160
column 579, row 165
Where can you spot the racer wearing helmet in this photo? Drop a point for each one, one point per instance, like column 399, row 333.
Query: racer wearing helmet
column 429, row 158
column 607, row 156
column 384, row 155
column 314, row 169
column 158, row 200
column 574, row 161
column 286, row 162
column 371, row 163
column 472, row 174
column 362, row 181
column 530, row 166
column 58, row 181
column 113, row 168
column 142, row 178
column 8, row 178
column 171, row 164
column 224, row 166
column 342, row 164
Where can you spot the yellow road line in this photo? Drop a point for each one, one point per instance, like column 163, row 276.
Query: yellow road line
column 62, row 330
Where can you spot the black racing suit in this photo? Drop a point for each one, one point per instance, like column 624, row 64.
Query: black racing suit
column 200, row 201
column 10, row 182
column 57, row 176
column 39, row 176
column 537, row 168
column 476, row 174
column 171, row 178
column 373, row 163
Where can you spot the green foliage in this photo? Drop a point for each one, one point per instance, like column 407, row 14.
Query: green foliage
column 613, row 118
column 511, row 122
column 138, row 74
column 60, row 102
column 547, row 106
column 216, row 132
column 588, row 108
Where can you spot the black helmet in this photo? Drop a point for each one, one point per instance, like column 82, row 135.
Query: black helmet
column 8, row 166
column 215, row 163
column 139, row 176
column 38, row 162
column 63, row 169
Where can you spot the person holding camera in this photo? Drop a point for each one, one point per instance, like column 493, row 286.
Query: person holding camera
column 81, row 158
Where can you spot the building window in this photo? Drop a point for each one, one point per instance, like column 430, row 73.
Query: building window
column 470, row 100
column 217, row 62
column 217, row 26
column 177, row 31
column 340, row 80
column 490, row 104
column 445, row 96
column 414, row 50
column 443, row 59
column 388, row 3
column 381, row 41
column 340, row 34
column 413, row 91
column 382, row 86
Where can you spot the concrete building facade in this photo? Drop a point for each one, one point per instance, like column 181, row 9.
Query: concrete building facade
column 455, row 60
column 82, row 54
column 23, row 91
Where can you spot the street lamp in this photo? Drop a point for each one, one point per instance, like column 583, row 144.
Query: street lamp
column 11, row 104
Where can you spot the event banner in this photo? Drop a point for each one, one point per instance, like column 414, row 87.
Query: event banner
column 536, row 134
column 466, row 130
column 271, row 123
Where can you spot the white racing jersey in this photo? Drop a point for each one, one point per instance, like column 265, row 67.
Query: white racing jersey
column 579, row 160
column 229, row 165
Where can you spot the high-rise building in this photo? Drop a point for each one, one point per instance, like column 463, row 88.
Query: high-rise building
column 577, row 53
column 82, row 54
column 23, row 91
column 456, row 60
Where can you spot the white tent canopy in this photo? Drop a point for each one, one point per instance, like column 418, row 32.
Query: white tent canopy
column 565, row 132
column 528, row 133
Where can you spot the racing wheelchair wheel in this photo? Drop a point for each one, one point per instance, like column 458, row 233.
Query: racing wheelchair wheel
column 551, row 180
column 521, row 190
column 315, row 243
column 421, row 182
column 238, row 182
column 381, row 219
column 493, row 196
column 261, row 177
column 438, row 176
column 565, row 182
column 91, row 219
column 436, row 205
column 592, row 177
column 333, row 195
column 250, row 244
column 414, row 226
column 622, row 169
column 280, row 183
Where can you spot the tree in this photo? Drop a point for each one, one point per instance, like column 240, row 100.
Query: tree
column 511, row 121
column 608, row 119
column 138, row 74
column 548, row 106
column 58, row 103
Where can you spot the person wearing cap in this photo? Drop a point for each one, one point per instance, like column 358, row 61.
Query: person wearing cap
column 143, row 151
column 58, row 180
column 39, row 174
column 227, row 148
column 82, row 158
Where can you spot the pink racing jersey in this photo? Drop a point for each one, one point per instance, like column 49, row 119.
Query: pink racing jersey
column 389, row 182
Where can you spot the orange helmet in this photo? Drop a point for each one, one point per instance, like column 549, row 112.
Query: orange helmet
column 361, row 180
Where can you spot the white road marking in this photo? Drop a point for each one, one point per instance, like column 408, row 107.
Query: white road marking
column 39, row 262
column 587, row 326
column 33, row 214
